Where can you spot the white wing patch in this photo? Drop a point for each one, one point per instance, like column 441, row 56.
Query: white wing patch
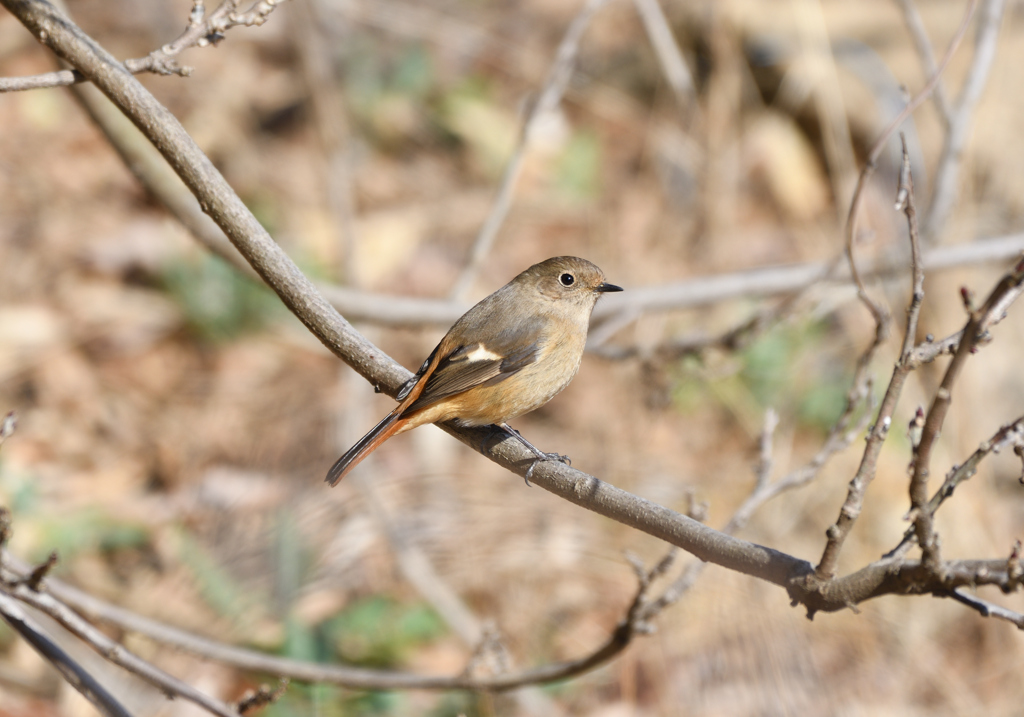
column 482, row 353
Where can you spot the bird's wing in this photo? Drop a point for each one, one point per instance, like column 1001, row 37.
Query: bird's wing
column 485, row 362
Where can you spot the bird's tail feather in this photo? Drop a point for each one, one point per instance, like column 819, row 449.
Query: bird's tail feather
column 391, row 425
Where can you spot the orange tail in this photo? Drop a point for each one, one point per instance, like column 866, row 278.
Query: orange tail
column 392, row 424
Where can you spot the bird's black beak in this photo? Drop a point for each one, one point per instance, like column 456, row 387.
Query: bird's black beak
column 605, row 287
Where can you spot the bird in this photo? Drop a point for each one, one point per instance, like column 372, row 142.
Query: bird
column 509, row 354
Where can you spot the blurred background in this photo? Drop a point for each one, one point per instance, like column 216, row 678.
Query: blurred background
column 176, row 422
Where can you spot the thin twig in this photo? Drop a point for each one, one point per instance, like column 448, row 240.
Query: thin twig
column 1006, row 291
column 391, row 310
column 905, row 203
column 202, row 30
column 116, row 653
column 262, row 697
column 765, row 460
column 633, row 623
column 1012, row 434
column 876, row 150
column 420, row 572
column 8, row 424
column 670, row 57
column 547, row 102
column 20, row 621
column 947, row 173
column 988, row 609
column 332, row 126
column 918, row 33
column 850, row 511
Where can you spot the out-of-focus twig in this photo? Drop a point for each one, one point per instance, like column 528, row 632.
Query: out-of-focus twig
column 918, row 33
column 30, row 631
column 818, row 56
column 202, row 30
column 419, row 571
column 876, row 150
column 8, row 424
column 947, row 172
column 391, row 310
column 113, row 651
column 548, row 100
column 670, row 57
column 330, row 119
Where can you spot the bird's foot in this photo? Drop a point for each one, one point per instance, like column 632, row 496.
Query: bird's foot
column 545, row 457
column 541, row 455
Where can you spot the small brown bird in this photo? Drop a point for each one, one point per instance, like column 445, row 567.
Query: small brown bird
column 509, row 354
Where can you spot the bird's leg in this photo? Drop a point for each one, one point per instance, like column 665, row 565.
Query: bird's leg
column 541, row 455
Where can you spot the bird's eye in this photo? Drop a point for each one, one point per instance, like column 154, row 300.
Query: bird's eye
column 567, row 279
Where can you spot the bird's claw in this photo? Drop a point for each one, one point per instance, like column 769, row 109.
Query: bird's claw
column 547, row 457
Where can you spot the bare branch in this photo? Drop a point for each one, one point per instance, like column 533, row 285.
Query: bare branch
column 905, row 203
column 988, row 609
column 1006, row 291
column 202, row 30
column 114, row 652
column 876, row 150
column 391, row 310
column 20, row 621
column 670, row 57
column 548, row 101
column 354, row 677
column 918, row 33
column 947, row 173
column 1012, row 434
column 850, row 511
